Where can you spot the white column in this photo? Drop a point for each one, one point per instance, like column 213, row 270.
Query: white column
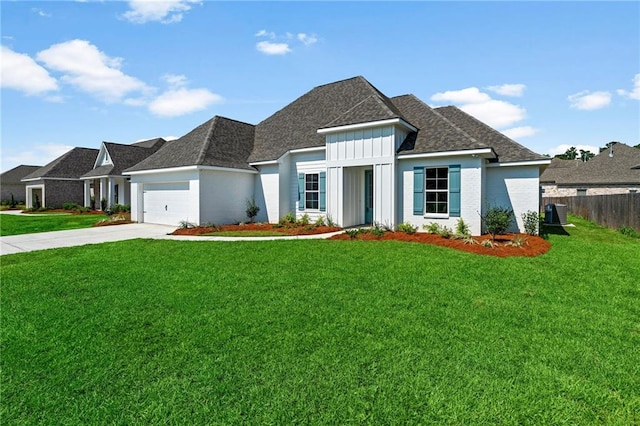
column 111, row 193
column 87, row 193
column 103, row 191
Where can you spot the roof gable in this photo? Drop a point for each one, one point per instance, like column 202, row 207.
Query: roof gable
column 70, row 165
column 295, row 126
column 218, row 142
column 122, row 156
column 14, row 175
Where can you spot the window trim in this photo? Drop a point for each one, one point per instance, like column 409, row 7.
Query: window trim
column 437, row 191
column 312, row 191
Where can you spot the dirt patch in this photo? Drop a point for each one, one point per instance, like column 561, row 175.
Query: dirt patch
column 249, row 227
column 505, row 245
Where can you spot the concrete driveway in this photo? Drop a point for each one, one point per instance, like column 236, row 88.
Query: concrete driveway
column 79, row 237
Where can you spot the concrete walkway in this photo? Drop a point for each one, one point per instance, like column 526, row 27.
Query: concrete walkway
column 102, row 234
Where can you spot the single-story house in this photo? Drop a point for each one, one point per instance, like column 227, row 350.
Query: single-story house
column 11, row 185
column 106, row 181
column 614, row 171
column 59, row 181
column 346, row 151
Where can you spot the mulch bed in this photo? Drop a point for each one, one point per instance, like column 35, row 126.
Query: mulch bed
column 533, row 245
column 75, row 212
column 285, row 230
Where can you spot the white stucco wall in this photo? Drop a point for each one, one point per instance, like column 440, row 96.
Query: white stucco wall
column 516, row 187
column 224, row 195
column 470, row 191
column 312, row 162
column 267, row 193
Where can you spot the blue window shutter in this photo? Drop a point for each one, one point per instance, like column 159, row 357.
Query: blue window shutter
column 418, row 190
column 454, row 190
column 323, row 191
column 300, row 191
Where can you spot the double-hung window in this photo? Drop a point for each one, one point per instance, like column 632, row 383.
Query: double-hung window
column 311, row 191
column 436, row 192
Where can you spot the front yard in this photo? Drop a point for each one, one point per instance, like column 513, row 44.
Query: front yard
column 322, row 332
column 30, row 223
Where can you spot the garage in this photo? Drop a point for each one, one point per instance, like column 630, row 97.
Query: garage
column 166, row 203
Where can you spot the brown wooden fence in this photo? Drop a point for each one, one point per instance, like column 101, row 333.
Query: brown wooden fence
column 612, row 211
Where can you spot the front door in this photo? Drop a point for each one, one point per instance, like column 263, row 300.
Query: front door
column 368, row 196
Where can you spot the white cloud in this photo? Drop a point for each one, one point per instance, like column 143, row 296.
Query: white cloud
column 493, row 112
column 265, row 33
column 588, row 101
column 269, row 48
column 21, row 72
column 508, row 89
column 40, row 12
column 307, row 39
column 175, row 80
column 90, row 70
column 165, row 11
column 561, row 149
column 36, row 155
column 635, row 91
column 180, row 101
column 470, row 95
column 520, row 132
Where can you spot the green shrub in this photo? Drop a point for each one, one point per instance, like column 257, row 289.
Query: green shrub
column 70, row 206
column 319, row 221
column 288, row 218
column 103, row 204
column 517, row 242
column 330, row 221
column 462, row 229
column 353, row 233
column 407, row 228
column 431, row 228
column 445, row 232
column 628, row 232
column 252, row 209
column 185, row 224
column 531, row 220
column 497, row 220
column 377, row 230
column 304, row 220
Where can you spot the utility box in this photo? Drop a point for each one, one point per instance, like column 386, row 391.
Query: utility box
column 555, row 214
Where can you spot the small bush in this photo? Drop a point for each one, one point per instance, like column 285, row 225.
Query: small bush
column 103, row 204
column 628, row 231
column 252, row 209
column 288, row 218
column 431, row 228
column 517, row 242
column 185, row 224
column 497, row 220
column 377, row 230
column 445, row 232
column 531, row 220
column 330, row 221
column 353, row 233
column 319, row 221
column 489, row 243
column 70, row 206
column 462, row 229
column 469, row 240
column 407, row 228
column 304, row 220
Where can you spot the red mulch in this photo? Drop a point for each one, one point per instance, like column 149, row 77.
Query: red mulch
column 96, row 212
column 285, row 230
column 533, row 245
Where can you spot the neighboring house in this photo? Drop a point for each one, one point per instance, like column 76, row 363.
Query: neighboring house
column 613, row 171
column 345, row 151
column 11, row 185
column 59, row 181
column 106, row 181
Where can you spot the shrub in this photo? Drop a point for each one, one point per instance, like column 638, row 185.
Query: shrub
column 36, row 202
column 103, row 204
column 445, row 232
column 407, row 228
column 462, row 229
column 377, row 230
column 517, row 242
column 489, row 243
column 288, row 218
column 252, row 209
column 70, row 206
column 431, row 228
column 531, row 220
column 353, row 233
column 628, row 232
column 497, row 220
column 185, row 224
column 469, row 240
column 319, row 221
column 304, row 220
column 330, row 221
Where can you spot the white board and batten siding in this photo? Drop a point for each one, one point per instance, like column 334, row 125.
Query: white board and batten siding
column 471, row 171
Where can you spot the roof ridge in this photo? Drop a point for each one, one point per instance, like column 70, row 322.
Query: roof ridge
column 205, row 146
column 342, row 81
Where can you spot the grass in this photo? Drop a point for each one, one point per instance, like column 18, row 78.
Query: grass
column 322, row 332
column 28, row 224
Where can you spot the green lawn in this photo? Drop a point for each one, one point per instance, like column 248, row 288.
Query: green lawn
column 29, row 223
column 322, row 332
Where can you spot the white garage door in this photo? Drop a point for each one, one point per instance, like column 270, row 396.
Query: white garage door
column 166, row 203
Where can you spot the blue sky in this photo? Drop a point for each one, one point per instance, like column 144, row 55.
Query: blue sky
column 549, row 74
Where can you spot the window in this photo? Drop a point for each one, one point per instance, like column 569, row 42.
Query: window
column 582, row 191
column 437, row 190
column 311, row 191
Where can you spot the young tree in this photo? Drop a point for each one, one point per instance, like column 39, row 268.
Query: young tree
column 569, row 154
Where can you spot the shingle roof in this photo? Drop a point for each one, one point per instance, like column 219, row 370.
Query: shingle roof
column 507, row 149
column 435, row 132
column 218, row 142
column 14, row 175
column 600, row 170
column 296, row 125
column 125, row 156
column 70, row 165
